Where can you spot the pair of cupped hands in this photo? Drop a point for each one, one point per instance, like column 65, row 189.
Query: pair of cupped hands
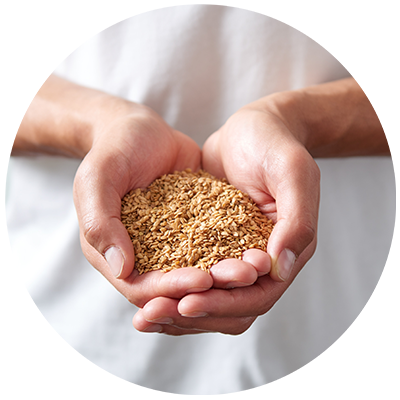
column 260, row 153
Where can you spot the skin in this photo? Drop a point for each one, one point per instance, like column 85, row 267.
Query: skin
column 266, row 149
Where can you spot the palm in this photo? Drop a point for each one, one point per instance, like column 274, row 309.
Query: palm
column 144, row 149
column 245, row 158
column 129, row 153
column 258, row 154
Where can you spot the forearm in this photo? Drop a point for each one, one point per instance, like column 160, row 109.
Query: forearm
column 63, row 118
column 334, row 119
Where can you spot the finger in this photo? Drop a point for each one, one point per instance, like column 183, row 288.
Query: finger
column 175, row 331
column 252, row 300
column 163, row 311
column 297, row 203
column 230, row 273
column 147, row 327
column 141, row 324
column 211, row 157
column 139, row 289
column 174, row 284
column 228, row 326
column 98, row 206
column 259, row 259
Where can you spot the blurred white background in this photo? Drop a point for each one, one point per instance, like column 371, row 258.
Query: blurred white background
column 354, row 351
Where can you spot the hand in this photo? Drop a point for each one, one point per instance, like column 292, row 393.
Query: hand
column 258, row 153
column 129, row 147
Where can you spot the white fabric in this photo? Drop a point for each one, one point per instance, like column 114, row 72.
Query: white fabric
column 196, row 65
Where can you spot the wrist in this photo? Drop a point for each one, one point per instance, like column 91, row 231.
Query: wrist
column 323, row 115
column 57, row 121
column 285, row 107
column 86, row 115
column 333, row 119
column 39, row 134
column 66, row 119
column 110, row 115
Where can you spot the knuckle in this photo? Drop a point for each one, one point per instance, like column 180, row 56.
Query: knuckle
column 91, row 231
column 304, row 164
column 307, row 232
column 132, row 299
column 316, row 172
column 241, row 326
column 237, row 332
column 85, row 173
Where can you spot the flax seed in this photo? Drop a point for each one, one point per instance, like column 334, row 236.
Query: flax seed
column 190, row 219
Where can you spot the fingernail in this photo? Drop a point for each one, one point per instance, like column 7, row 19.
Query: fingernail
column 115, row 260
column 236, row 284
column 195, row 314
column 153, row 328
column 162, row 320
column 197, row 290
column 284, row 264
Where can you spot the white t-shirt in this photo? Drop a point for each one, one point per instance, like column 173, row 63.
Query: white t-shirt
column 196, row 65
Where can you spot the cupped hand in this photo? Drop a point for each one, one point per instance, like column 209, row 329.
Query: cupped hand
column 131, row 146
column 261, row 153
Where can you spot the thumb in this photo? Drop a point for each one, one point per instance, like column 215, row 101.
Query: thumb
column 98, row 206
column 293, row 239
column 211, row 156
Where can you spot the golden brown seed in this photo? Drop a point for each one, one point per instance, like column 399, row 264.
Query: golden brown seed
column 190, row 219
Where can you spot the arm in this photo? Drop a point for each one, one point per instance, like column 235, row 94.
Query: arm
column 334, row 119
column 364, row 110
column 123, row 145
column 43, row 113
column 266, row 149
column 61, row 120
column 350, row 117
